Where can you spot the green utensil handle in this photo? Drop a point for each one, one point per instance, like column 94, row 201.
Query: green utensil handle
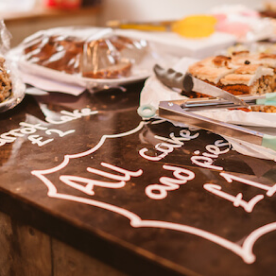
column 270, row 99
column 269, row 141
column 146, row 111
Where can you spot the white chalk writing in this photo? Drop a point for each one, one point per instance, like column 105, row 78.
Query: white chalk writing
column 237, row 200
column 70, row 116
column 206, row 160
column 244, row 250
column 270, row 189
column 160, row 191
column 169, row 145
column 28, row 129
column 74, row 181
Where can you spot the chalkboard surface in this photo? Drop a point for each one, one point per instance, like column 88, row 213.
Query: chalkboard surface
column 182, row 200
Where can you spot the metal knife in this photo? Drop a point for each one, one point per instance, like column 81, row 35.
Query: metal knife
column 188, row 83
column 174, row 112
column 206, row 103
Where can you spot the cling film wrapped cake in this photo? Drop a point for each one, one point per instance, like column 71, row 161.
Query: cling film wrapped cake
column 85, row 52
column 12, row 89
column 5, row 81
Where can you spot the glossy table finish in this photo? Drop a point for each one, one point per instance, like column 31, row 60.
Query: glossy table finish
column 146, row 197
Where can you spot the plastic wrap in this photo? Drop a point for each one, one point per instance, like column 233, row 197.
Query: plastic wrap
column 86, row 56
column 130, row 53
column 12, row 89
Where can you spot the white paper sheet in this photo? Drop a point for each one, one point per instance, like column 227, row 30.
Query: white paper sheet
column 51, row 85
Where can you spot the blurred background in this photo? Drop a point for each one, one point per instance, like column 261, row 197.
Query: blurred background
column 24, row 17
column 164, row 9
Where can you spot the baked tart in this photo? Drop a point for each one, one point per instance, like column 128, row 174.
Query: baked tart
column 241, row 73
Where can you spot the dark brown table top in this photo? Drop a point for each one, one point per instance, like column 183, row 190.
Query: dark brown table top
column 144, row 196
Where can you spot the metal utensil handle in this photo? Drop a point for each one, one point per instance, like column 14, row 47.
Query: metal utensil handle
column 174, row 112
column 188, row 83
column 169, row 77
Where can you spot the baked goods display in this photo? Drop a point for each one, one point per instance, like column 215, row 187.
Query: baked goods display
column 12, row 88
column 5, row 81
column 264, row 108
column 257, row 108
column 108, row 57
column 55, row 52
column 240, row 73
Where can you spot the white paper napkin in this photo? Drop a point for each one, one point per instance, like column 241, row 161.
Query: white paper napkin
column 51, row 85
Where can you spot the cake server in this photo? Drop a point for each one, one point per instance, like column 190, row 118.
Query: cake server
column 188, row 83
column 172, row 111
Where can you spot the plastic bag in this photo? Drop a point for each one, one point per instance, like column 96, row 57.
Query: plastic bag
column 90, row 57
column 96, row 54
column 12, row 89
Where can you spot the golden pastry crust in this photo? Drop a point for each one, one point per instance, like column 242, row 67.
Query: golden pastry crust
column 5, row 81
column 266, row 60
column 236, row 79
column 264, row 108
column 221, row 61
column 210, row 69
column 240, row 53
column 247, row 69
column 241, row 73
column 260, row 86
